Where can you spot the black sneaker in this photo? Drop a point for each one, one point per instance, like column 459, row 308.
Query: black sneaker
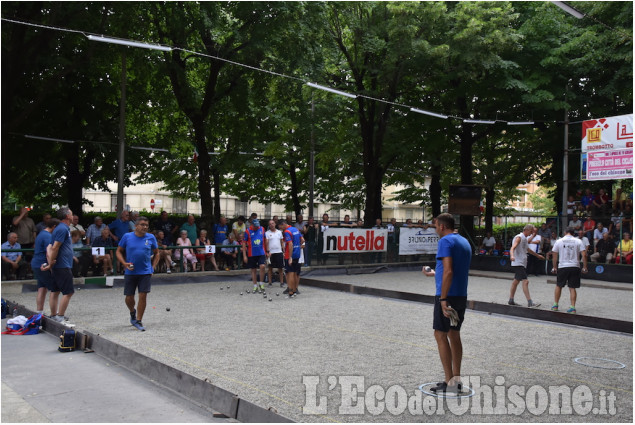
column 442, row 387
column 286, row 291
column 297, row 292
column 512, row 303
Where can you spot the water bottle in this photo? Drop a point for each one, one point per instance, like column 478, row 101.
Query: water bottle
column 15, row 311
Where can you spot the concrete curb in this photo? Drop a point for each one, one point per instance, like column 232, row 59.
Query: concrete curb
column 188, row 386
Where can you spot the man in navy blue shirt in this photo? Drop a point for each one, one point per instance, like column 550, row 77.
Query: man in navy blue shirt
column 135, row 252
column 454, row 254
column 60, row 258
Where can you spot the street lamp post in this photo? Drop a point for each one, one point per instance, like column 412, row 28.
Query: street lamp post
column 122, row 138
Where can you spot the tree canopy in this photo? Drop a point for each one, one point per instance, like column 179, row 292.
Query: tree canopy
column 233, row 90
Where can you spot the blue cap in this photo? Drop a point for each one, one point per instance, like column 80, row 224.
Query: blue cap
column 256, row 222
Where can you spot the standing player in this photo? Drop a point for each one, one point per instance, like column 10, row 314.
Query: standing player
column 294, row 242
column 254, row 254
column 566, row 254
column 60, row 258
column 518, row 255
column 274, row 252
column 139, row 246
column 454, row 255
column 44, row 278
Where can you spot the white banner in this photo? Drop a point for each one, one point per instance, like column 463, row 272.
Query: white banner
column 607, row 134
column 355, row 240
column 413, row 241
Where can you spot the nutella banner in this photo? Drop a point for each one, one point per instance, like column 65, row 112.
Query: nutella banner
column 413, row 241
column 355, row 240
column 607, row 134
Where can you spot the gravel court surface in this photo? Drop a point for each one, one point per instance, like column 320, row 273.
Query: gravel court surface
column 603, row 302
column 261, row 350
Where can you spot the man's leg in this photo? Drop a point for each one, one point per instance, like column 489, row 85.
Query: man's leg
column 526, row 289
column 262, row 273
column 130, row 303
column 281, row 276
column 40, row 298
column 556, row 295
column 53, row 301
column 574, row 296
column 270, row 273
column 63, row 305
column 445, row 353
column 456, row 348
column 512, row 290
column 141, row 305
column 253, row 276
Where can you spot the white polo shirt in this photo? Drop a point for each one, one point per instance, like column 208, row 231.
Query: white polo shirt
column 273, row 241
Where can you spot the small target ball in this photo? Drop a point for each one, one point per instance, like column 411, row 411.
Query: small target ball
column 228, row 287
column 167, row 309
column 270, row 299
column 241, row 293
column 247, row 290
column 277, row 294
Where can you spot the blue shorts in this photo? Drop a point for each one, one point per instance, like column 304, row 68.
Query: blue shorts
column 63, row 281
column 294, row 267
column 132, row 282
column 256, row 261
column 44, row 279
column 442, row 323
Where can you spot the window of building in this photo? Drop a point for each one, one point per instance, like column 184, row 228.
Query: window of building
column 240, row 208
column 179, row 206
column 334, row 213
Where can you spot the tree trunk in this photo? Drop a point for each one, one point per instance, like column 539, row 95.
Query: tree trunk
column 467, row 140
column 489, row 208
column 295, row 200
column 435, row 190
column 74, row 179
column 217, row 178
column 203, row 163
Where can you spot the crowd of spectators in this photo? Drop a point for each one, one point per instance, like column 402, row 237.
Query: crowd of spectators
column 226, row 238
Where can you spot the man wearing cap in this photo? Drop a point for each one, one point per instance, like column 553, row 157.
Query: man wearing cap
column 254, row 252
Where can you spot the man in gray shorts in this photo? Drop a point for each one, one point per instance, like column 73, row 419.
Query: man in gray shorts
column 139, row 247
column 518, row 255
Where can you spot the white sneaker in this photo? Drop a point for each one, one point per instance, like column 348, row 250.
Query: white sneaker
column 168, row 271
column 57, row 318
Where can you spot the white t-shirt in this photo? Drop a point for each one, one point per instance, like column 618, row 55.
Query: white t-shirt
column 568, row 249
column 520, row 253
column 585, row 242
column 597, row 234
column 535, row 244
column 273, row 241
column 489, row 242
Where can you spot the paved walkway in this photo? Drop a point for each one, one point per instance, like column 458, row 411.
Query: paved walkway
column 40, row 384
column 299, row 356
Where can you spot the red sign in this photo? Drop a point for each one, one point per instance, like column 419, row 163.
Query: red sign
column 151, row 204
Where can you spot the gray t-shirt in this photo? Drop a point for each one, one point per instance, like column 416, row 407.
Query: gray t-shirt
column 520, row 253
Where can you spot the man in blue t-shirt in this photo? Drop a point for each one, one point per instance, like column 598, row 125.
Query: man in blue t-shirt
column 454, row 254
column 254, row 252
column 135, row 252
column 60, row 258
column 293, row 245
column 220, row 233
column 44, row 279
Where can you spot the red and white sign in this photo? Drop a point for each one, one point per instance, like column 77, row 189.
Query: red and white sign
column 610, row 165
column 355, row 240
column 151, row 204
column 606, row 134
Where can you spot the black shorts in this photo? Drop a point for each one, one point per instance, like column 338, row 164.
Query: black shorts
column 294, row 267
column 520, row 272
column 569, row 276
column 256, row 261
column 442, row 323
column 132, row 282
column 277, row 260
column 62, row 281
column 44, row 279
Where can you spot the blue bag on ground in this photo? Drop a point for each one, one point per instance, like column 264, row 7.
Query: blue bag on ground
column 30, row 327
